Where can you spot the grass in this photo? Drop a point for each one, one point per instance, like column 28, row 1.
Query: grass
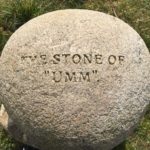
column 7, row 143
column 14, row 13
column 141, row 139
column 4, row 35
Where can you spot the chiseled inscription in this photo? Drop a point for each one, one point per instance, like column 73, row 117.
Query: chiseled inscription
column 73, row 59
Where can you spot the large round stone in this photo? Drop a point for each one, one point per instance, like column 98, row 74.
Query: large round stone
column 74, row 80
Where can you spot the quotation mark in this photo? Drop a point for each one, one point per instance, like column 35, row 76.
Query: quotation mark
column 94, row 71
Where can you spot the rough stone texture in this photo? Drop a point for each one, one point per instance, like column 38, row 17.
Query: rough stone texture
column 3, row 117
column 101, row 94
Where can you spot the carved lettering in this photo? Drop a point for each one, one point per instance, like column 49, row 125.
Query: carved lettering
column 56, row 58
column 70, row 77
column 121, row 59
column 68, row 60
column 76, row 58
column 98, row 59
column 66, row 57
column 87, row 58
column 31, row 58
column 43, row 58
column 23, row 58
column 84, row 76
column 57, row 76
column 112, row 59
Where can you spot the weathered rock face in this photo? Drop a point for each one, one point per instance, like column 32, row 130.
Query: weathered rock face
column 74, row 80
column 3, row 117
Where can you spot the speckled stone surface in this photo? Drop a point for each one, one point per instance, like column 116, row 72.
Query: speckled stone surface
column 74, row 80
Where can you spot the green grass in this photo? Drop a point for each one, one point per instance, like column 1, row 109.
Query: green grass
column 4, row 35
column 6, row 142
column 14, row 13
column 141, row 139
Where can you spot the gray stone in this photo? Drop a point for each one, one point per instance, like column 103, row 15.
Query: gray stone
column 74, row 80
